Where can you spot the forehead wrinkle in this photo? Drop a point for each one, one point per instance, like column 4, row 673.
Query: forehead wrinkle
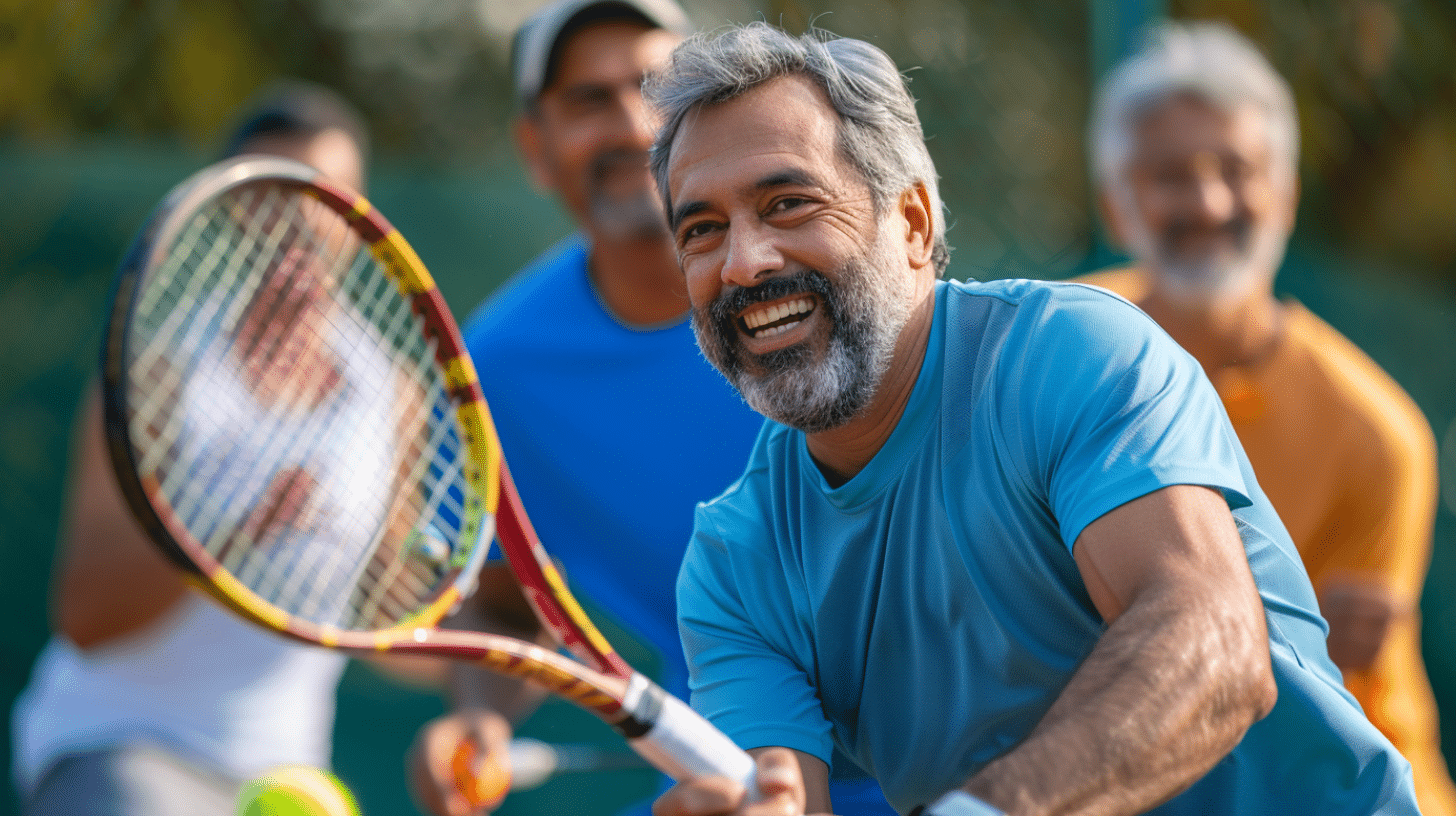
column 788, row 97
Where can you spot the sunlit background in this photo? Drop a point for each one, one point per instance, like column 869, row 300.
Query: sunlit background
column 104, row 104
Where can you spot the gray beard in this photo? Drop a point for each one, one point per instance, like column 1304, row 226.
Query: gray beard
column 865, row 311
column 1213, row 278
column 1222, row 276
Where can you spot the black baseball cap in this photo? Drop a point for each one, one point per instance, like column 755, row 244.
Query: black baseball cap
column 537, row 44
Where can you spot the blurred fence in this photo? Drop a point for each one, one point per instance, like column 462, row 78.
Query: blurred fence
column 104, row 104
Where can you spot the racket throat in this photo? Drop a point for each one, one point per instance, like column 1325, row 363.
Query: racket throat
column 642, row 705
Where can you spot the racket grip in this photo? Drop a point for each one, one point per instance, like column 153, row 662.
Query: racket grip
column 680, row 742
column 484, row 789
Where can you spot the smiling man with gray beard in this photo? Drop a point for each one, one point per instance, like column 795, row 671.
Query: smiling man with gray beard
column 999, row 544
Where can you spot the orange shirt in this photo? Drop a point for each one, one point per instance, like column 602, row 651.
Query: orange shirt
column 1349, row 462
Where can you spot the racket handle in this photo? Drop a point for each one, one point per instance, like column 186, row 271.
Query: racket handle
column 534, row 762
column 680, row 742
column 484, row 789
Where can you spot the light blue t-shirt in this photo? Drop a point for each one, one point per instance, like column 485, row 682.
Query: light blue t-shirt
column 924, row 615
column 613, row 434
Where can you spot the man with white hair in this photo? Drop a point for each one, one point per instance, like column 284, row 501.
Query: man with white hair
column 998, row 542
column 1195, row 146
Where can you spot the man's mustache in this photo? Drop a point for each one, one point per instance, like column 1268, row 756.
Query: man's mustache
column 1238, row 229
column 726, row 308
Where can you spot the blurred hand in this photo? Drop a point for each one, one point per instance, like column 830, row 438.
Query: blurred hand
column 485, row 736
column 780, row 787
column 1360, row 616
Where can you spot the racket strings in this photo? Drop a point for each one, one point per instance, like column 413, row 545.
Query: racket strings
column 209, row 245
column 428, row 458
column 316, row 582
column 236, row 284
column 252, row 243
column 241, row 289
column 395, row 581
column 228, row 273
column 407, row 589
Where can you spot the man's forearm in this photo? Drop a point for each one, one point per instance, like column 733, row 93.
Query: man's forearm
column 1168, row 691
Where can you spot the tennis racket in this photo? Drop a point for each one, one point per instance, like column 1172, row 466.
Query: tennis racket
column 293, row 418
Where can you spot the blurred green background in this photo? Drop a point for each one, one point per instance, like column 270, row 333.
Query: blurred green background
column 105, row 104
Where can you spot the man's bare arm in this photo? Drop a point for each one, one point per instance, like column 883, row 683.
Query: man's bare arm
column 1181, row 673
column 111, row 580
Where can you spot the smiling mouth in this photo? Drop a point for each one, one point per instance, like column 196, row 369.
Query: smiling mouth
column 777, row 318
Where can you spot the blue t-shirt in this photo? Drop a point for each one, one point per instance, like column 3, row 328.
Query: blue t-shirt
column 924, row 615
column 613, row 434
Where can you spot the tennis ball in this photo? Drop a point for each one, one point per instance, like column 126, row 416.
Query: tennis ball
column 296, row 790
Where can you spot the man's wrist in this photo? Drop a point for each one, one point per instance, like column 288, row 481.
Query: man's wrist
column 960, row 803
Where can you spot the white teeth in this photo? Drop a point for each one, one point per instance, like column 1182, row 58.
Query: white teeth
column 774, row 313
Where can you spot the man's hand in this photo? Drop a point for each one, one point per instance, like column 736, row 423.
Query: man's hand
column 781, row 791
column 1360, row 615
column 432, row 759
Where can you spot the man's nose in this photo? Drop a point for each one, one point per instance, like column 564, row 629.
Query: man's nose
column 1213, row 196
column 751, row 256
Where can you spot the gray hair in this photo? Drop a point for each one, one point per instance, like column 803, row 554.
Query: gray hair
column 1206, row 59
column 879, row 132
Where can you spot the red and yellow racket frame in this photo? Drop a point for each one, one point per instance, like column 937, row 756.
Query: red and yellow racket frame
column 484, row 469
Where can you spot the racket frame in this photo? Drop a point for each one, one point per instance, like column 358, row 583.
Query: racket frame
column 148, row 255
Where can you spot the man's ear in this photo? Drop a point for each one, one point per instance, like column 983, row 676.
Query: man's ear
column 919, row 215
column 533, row 152
column 1295, row 188
column 1112, row 218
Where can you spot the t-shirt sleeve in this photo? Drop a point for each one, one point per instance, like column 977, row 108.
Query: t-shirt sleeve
column 744, row 684
column 1381, row 527
column 1098, row 406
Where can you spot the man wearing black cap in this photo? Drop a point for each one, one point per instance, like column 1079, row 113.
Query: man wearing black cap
column 598, row 390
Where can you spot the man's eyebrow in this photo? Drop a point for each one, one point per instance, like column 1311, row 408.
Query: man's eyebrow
column 787, row 178
column 601, row 85
column 780, row 178
column 584, row 88
column 683, row 211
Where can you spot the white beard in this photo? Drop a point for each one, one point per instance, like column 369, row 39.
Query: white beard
column 1221, row 276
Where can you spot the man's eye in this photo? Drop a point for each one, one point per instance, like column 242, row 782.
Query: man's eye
column 697, row 230
column 1241, row 171
column 1172, row 178
column 587, row 99
column 787, row 203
